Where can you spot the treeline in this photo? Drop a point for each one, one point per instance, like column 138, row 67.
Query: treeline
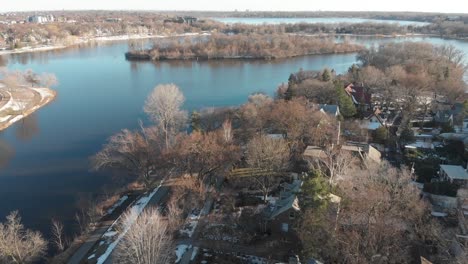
column 410, row 16
column 242, row 46
column 452, row 29
column 70, row 27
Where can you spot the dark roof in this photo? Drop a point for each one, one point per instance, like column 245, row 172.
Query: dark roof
column 329, row 109
column 359, row 94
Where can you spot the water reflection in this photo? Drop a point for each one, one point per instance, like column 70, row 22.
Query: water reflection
column 27, row 128
column 6, row 153
column 3, row 61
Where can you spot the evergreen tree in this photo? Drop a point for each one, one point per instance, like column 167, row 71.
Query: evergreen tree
column 326, row 76
column 347, row 107
column 354, row 71
column 407, row 134
column 195, row 121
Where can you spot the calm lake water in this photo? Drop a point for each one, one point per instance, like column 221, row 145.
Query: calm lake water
column 44, row 166
column 316, row 20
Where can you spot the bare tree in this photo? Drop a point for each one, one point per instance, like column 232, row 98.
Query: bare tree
column 58, row 236
column 383, row 220
column 48, row 80
column 135, row 152
column 270, row 155
column 227, row 131
column 19, row 245
column 163, row 106
column 31, row 77
column 174, row 213
column 147, row 241
column 334, row 162
column 204, row 154
column 260, row 99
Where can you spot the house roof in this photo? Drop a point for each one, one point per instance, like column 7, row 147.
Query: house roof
column 314, row 152
column 371, row 152
column 455, row 172
column 275, row 136
column 443, row 116
column 330, row 109
column 358, row 93
column 289, row 189
column 281, row 206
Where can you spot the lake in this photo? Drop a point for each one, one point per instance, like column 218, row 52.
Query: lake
column 315, row 20
column 44, row 168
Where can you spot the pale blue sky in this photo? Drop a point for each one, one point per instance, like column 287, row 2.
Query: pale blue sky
column 447, row 6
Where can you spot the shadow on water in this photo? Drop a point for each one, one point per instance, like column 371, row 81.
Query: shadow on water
column 27, row 128
column 6, row 153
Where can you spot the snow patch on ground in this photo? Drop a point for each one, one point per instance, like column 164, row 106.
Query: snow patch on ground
column 16, row 118
column 5, row 118
column 180, row 251
column 191, row 224
column 117, row 204
column 194, row 253
column 113, row 240
column 110, row 233
column 44, row 92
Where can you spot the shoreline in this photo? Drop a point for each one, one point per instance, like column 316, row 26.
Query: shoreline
column 42, row 48
column 47, row 95
column 146, row 57
column 81, row 41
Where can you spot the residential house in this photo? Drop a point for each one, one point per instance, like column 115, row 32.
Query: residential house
column 361, row 97
column 444, row 117
column 314, row 153
column 275, row 136
column 332, row 110
column 280, row 215
column 363, row 150
column 373, row 121
column 422, row 141
column 454, row 173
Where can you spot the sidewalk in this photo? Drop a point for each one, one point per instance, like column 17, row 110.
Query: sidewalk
column 91, row 240
column 80, row 256
column 186, row 258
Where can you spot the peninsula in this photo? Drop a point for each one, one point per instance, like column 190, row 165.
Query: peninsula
column 18, row 100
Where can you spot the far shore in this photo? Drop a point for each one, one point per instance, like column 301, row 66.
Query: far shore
column 30, row 49
column 81, row 41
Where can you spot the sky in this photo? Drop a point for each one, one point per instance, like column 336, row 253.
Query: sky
column 446, row 6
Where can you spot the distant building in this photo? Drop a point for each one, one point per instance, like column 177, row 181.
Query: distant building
column 38, row 19
column 113, row 20
column 181, row 20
